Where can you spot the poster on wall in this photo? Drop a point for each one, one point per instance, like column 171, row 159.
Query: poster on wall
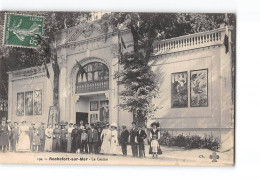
column 104, row 111
column 199, row 88
column 53, row 115
column 20, row 104
column 93, row 105
column 93, row 118
column 179, row 90
column 37, row 107
column 28, row 103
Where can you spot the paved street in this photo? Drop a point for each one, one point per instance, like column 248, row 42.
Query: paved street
column 171, row 156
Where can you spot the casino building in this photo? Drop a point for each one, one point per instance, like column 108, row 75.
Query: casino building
column 194, row 73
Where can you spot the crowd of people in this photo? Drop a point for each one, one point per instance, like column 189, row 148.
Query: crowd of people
column 95, row 138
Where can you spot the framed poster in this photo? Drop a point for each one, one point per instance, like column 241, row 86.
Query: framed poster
column 179, row 90
column 37, row 106
column 104, row 111
column 28, row 103
column 20, row 104
column 53, row 117
column 93, row 118
column 199, row 88
column 93, row 105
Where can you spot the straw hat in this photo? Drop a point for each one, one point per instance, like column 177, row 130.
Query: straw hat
column 113, row 125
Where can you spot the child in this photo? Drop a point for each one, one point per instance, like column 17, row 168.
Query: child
column 155, row 146
column 36, row 141
column 84, row 141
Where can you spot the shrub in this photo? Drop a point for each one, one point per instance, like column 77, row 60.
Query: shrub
column 190, row 142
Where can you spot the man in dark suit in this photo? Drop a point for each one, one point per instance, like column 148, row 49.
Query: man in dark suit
column 124, row 140
column 15, row 136
column 41, row 130
column 93, row 139
column 141, row 135
column 133, row 141
column 31, row 132
column 3, row 136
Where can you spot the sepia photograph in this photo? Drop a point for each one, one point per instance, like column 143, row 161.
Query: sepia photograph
column 117, row 88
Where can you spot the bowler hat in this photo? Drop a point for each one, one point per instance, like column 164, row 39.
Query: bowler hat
column 134, row 123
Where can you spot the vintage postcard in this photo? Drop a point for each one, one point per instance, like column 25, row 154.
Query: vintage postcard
column 117, row 88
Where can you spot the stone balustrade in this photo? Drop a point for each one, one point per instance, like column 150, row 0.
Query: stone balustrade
column 188, row 42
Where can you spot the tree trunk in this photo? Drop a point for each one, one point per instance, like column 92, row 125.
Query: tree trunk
column 56, row 71
column 139, row 118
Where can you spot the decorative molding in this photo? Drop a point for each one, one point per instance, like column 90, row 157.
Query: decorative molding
column 29, row 78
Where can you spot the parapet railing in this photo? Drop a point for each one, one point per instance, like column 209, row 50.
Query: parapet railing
column 192, row 41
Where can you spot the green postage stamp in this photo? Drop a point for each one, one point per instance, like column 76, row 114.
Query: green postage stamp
column 21, row 30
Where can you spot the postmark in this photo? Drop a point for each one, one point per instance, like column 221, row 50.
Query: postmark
column 22, row 30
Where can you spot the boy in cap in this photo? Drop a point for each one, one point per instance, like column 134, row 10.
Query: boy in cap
column 141, row 135
column 124, row 139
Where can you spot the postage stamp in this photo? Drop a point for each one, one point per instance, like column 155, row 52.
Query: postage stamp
column 21, row 30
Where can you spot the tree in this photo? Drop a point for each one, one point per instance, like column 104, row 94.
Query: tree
column 137, row 76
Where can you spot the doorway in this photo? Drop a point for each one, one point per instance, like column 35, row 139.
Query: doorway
column 81, row 116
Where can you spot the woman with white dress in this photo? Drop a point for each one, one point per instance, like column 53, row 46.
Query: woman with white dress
column 106, row 139
column 114, row 149
column 23, row 144
column 48, row 138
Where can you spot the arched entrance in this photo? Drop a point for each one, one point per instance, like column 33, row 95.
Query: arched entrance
column 91, row 91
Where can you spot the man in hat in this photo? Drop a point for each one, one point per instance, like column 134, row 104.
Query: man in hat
column 92, row 139
column 63, row 137
column 141, row 135
column 74, row 137
column 31, row 132
column 41, row 130
column 15, row 136
column 124, row 139
column 10, row 127
column 56, row 139
column 133, row 140
column 99, row 129
column 3, row 136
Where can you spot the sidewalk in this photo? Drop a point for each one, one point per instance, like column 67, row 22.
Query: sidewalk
column 171, row 156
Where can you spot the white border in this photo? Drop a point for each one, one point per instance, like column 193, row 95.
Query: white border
column 247, row 91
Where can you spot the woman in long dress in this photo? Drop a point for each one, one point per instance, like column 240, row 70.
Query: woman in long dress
column 105, row 138
column 114, row 149
column 155, row 135
column 48, row 138
column 23, row 144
